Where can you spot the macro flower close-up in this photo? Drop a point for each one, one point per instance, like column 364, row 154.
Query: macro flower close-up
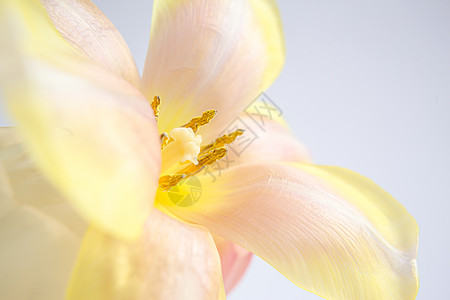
column 115, row 185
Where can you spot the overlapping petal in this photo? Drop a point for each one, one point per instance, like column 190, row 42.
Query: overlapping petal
column 235, row 261
column 171, row 260
column 89, row 31
column 91, row 132
column 28, row 186
column 36, row 255
column 211, row 55
column 329, row 230
column 31, row 242
column 6, row 193
column 266, row 137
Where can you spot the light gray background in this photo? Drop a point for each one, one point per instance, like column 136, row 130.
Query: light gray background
column 365, row 86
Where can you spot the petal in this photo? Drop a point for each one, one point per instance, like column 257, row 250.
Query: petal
column 171, row 260
column 235, row 261
column 36, row 255
column 27, row 185
column 27, row 182
column 90, row 132
column 266, row 136
column 91, row 33
column 211, row 55
column 329, row 230
column 6, row 193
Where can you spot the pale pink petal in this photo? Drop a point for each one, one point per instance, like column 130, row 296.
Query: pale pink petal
column 329, row 230
column 90, row 132
column 211, row 55
column 266, row 137
column 235, row 261
column 171, row 260
column 89, row 31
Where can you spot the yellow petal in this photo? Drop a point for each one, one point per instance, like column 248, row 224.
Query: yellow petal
column 89, row 31
column 37, row 251
column 90, row 132
column 27, row 182
column 6, row 193
column 36, row 256
column 380, row 209
column 27, row 185
column 171, row 260
column 329, row 230
column 211, row 55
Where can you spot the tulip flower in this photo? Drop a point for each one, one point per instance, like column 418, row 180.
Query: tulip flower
column 109, row 184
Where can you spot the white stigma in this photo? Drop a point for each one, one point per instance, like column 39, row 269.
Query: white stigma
column 187, row 143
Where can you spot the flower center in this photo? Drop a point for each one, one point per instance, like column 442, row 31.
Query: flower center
column 183, row 147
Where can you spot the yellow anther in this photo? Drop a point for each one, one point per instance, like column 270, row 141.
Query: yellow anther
column 184, row 140
column 204, row 160
column 204, row 119
column 165, row 140
column 223, row 140
column 168, row 181
column 155, row 105
column 212, row 156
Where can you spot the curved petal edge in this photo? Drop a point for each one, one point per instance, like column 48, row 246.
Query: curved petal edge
column 329, row 230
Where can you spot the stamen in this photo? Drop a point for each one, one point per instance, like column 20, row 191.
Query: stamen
column 223, row 140
column 165, row 140
column 168, row 181
column 186, row 146
column 204, row 160
column 212, row 156
column 204, row 119
column 155, row 105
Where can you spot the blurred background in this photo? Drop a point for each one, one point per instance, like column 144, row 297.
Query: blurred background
column 366, row 86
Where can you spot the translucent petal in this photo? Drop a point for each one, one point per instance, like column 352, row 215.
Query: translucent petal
column 235, row 261
column 171, row 260
column 89, row 31
column 90, row 132
column 329, row 230
column 266, row 137
column 211, row 55
column 36, row 254
column 6, row 193
column 27, row 185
